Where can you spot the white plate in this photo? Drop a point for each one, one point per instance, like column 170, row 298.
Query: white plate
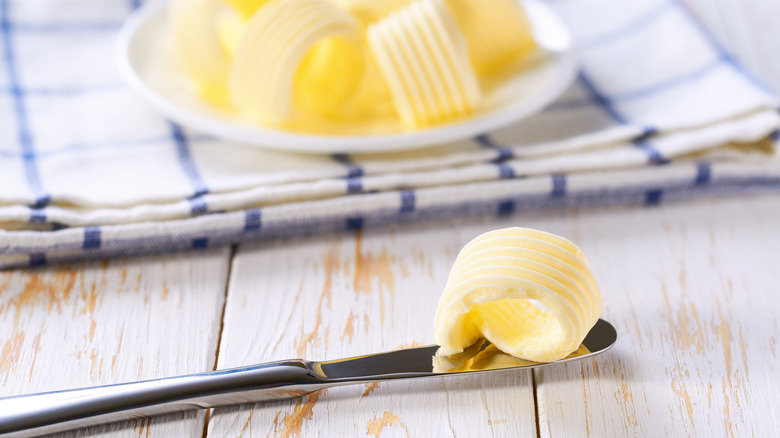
column 146, row 63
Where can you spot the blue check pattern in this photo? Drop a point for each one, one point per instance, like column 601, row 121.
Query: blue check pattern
column 87, row 169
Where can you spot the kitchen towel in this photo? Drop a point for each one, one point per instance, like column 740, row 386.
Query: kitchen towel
column 88, row 169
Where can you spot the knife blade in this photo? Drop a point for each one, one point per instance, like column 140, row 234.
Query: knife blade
column 38, row 414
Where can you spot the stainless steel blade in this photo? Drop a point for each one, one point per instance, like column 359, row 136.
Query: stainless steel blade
column 37, row 414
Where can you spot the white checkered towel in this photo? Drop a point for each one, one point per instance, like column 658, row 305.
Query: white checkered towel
column 87, row 168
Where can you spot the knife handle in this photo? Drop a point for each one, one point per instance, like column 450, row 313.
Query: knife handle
column 37, row 414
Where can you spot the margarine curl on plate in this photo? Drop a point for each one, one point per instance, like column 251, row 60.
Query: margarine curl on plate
column 530, row 293
column 347, row 66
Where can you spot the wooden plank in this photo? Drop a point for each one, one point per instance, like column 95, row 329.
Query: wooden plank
column 329, row 297
column 689, row 289
column 684, row 284
column 695, row 318
column 105, row 322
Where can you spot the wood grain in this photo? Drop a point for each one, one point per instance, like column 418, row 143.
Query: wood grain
column 685, row 285
column 107, row 322
column 339, row 296
column 689, row 289
column 697, row 308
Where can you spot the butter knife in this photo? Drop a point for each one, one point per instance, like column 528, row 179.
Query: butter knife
column 38, row 414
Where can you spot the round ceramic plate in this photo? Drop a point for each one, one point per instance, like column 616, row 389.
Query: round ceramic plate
column 146, row 62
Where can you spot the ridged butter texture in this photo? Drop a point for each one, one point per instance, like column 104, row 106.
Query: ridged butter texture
column 197, row 44
column 531, row 293
column 275, row 41
column 424, row 61
column 286, row 63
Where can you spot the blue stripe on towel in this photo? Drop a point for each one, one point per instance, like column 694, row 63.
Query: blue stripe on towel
column 37, row 216
column 253, row 220
column 653, row 155
column 42, row 198
column 65, row 92
column 559, row 185
column 186, row 162
column 78, row 27
column 353, row 170
column 703, row 173
column 200, row 243
column 354, row 173
column 37, row 259
column 408, row 201
column 354, row 223
column 228, row 232
column 502, row 153
column 123, row 144
column 354, row 185
column 505, row 171
column 726, row 56
column 676, row 81
column 198, row 205
column 653, row 197
column 600, row 99
column 74, row 27
column 640, row 93
column 92, row 238
column 506, row 208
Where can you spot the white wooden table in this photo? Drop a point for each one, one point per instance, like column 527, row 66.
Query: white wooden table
column 690, row 287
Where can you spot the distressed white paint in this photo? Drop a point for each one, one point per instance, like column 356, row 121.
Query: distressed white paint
column 690, row 287
column 109, row 322
column 339, row 296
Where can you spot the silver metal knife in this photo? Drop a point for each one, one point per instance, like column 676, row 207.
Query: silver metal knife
column 37, row 414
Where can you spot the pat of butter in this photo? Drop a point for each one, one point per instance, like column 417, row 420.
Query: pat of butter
column 230, row 27
column 245, row 7
column 530, row 293
column 369, row 11
column 496, row 31
column 423, row 58
column 274, row 43
column 347, row 67
column 197, row 44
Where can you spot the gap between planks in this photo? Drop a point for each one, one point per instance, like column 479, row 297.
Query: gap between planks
column 536, row 404
column 233, row 249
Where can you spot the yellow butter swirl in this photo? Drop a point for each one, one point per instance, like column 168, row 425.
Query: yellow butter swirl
column 530, row 293
column 496, row 31
column 197, row 43
column 271, row 48
column 423, row 58
column 335, row 66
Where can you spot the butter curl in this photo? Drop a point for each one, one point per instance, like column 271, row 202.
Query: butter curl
column 530, row 293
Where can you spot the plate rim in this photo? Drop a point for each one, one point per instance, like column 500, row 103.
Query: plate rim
column 323, row 144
